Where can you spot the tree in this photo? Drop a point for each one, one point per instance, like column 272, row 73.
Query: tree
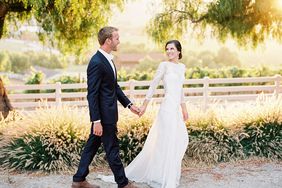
column 227, row 58
column 4, row 62
column 249, row 22
column 68, row 24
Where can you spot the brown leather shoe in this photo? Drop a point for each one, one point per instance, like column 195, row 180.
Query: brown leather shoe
column 83, row 184
column 130, row 185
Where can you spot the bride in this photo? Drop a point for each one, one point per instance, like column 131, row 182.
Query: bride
column 159, row 162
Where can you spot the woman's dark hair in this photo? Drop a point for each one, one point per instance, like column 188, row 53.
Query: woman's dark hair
column 177, row 45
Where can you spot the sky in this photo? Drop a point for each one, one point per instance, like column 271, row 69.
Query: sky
column 132, row 21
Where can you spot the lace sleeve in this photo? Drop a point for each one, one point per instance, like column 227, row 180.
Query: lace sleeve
column 182, row 90
column 155, row 82
column 182, row 96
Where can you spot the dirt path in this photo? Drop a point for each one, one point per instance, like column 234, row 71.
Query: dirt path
column 243, row 174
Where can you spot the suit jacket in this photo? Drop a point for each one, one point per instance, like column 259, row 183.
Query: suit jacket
column 103, row 91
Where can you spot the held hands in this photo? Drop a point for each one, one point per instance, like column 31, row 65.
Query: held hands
column 138, row 111
column 143, row 107
column 134, row 109
column 142, row 110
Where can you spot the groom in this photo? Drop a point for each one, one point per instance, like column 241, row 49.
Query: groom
column 103, row 93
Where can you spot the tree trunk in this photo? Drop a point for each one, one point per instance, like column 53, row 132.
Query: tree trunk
column 3, row 12
column 10, row 7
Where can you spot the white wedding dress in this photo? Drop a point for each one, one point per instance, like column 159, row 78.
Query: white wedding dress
column 159, row 162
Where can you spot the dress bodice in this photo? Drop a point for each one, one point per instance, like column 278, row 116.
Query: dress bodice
column 173, row 76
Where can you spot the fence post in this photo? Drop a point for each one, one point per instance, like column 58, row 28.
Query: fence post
column 277, row 85
column 131, row 89
column 206, row 92
column 58, row 93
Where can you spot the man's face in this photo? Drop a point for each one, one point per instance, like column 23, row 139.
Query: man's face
column 114, row 41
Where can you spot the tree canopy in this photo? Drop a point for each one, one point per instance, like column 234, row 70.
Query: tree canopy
column 68, row 24
column 249, row 22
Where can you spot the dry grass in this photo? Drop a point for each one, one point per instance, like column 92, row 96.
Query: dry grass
column 51, row 139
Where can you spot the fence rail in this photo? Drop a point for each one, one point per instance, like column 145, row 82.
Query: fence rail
column 203, row 90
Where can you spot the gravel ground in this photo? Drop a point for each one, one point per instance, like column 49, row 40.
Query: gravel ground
column 240, row 174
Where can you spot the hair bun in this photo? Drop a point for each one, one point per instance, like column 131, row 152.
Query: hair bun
column 180, row 55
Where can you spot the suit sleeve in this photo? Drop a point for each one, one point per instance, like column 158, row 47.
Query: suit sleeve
column 122, row 97
column 94, row 78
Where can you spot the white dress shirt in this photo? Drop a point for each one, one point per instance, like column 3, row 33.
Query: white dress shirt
column 110, row 58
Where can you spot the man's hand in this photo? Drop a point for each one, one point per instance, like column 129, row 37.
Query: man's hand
column 97, row 129
column 134, row 109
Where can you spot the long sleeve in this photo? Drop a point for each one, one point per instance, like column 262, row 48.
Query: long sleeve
column 182, row 96
column 155, row 82
column 182, row 100
column 122, row 97
column 94, row 77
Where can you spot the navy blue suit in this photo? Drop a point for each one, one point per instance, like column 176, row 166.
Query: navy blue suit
column 103, row 94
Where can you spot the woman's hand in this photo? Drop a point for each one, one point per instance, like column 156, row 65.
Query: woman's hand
column 184, row 111
column 142, row 110
column 185, row 115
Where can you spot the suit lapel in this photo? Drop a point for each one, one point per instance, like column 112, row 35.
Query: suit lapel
column 107, row 63
column 115, row 70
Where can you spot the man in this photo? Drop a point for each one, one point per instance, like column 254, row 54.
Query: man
column 103, row 93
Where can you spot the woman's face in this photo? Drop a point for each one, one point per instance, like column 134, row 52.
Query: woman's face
column 172, row 52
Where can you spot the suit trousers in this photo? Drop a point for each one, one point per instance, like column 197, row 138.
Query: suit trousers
column 111, row 146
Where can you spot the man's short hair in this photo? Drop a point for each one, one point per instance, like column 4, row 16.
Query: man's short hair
column 105, row 33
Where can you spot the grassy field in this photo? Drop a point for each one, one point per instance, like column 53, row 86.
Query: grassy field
column 51, row 139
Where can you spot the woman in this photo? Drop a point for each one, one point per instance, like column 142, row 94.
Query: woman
column 5, row 105
column 159, row 162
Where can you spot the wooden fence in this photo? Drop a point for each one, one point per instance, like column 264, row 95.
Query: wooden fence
column 202, row 91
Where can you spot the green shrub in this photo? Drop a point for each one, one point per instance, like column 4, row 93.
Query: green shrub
column 52, row 139
column 146, row 64
column 47, row 139
column 210, row 140
column 48, row 60
column 5, row 65
column 133, row 138
column 263, row 139
column 212, row 146
column 66, row 79
column 261, row 129
column 19, row 62
column 123, row 75
column 36, row 77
